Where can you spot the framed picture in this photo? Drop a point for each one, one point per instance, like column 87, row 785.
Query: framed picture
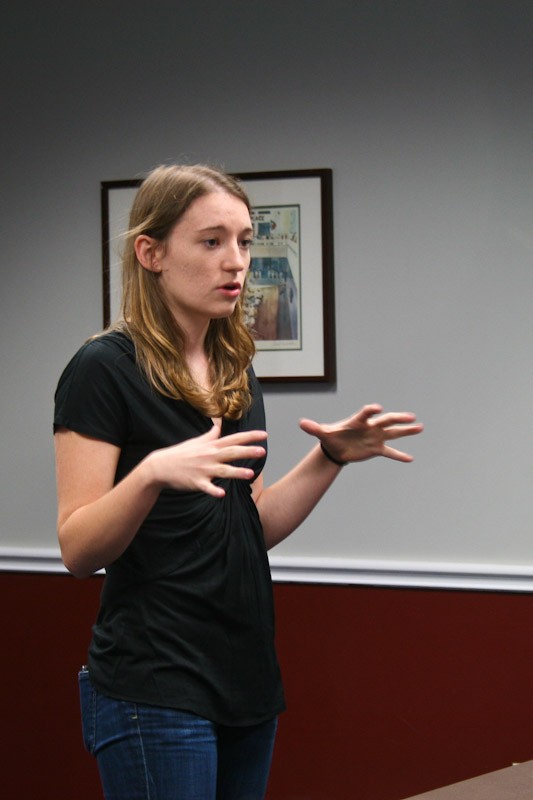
column 288, row 300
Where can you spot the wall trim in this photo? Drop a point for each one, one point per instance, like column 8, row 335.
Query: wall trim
column 409, row 574
column 352, row 572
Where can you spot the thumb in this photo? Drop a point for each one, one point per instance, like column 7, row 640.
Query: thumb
column 311, row 427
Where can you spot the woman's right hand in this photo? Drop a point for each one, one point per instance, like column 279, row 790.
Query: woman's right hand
column 194, row 464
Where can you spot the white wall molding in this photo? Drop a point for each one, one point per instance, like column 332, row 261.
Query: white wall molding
column 31, row 559
column 351, row 572
column 415, row 574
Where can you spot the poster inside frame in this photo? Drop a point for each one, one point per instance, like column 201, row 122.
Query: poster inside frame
column 288, row 303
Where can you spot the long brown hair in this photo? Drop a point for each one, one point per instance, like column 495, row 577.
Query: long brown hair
column 163, row 197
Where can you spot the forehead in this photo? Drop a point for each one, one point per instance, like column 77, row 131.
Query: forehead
column 217, row 209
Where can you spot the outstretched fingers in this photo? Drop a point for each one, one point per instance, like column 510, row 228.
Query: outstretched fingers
column 396, row 455
column 238, row 446
column 365, row 434
column 198, row 463
column 397, row 423
column 398, row 431
column 393, row 418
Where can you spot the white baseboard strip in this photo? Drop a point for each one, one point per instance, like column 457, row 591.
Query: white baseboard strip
column 31, row 559
column 350, row 572
column 423, row 575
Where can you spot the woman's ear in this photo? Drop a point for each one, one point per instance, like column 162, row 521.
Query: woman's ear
column 147, row 251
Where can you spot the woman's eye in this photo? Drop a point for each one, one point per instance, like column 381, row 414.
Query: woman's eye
column 211, row 243
column 247, row 243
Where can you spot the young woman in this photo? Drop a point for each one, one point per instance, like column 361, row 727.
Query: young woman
column 160, row 445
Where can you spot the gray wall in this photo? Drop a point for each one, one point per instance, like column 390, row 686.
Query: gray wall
column 424, row 112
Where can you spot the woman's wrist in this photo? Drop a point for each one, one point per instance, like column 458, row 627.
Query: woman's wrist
column 332, row 458
column 151, row 473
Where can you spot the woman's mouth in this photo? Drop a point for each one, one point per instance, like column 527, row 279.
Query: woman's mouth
column 231, row 289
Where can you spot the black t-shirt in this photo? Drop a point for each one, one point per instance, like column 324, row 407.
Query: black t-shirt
column 186, row 617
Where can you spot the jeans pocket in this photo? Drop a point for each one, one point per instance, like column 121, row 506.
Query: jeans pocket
column 88, row 710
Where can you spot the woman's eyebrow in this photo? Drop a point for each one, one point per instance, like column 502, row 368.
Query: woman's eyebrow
column 212, row 228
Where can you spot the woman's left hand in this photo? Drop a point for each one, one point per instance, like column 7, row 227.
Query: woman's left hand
column 365, row 434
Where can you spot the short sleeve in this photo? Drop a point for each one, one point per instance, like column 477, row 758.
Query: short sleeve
column 89, row 399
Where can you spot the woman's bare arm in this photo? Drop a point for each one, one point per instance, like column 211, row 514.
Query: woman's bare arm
column 97, row 520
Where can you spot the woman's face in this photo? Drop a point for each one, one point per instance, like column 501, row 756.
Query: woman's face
column 203, row 263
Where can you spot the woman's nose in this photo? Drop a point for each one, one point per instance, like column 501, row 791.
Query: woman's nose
column 236, row 257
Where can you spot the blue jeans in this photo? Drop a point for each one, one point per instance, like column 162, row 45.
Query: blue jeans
column 149, row 753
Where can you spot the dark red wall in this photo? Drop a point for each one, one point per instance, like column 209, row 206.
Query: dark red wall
column 391, row 692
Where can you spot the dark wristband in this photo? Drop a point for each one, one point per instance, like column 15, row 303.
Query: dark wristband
column 330, row 457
